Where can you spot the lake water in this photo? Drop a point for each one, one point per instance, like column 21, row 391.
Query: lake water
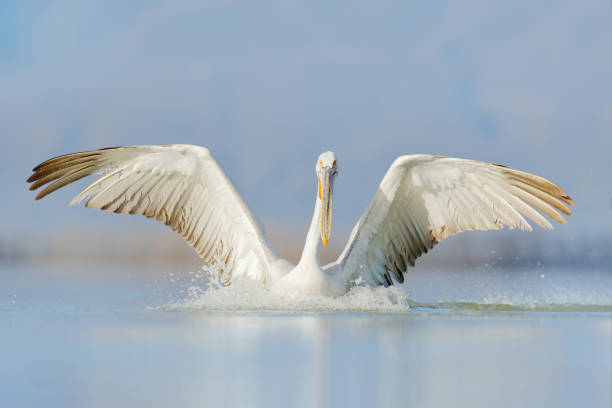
column 110, row 335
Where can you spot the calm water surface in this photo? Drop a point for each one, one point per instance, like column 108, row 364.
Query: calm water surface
column 124, row 336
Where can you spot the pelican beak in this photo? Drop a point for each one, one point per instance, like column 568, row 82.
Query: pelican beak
column 326, row 190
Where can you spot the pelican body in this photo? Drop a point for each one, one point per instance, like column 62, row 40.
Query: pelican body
column 421, row 200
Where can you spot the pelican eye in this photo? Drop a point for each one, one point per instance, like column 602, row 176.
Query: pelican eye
column 321, row 163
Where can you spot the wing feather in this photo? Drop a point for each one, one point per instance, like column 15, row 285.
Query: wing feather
column 424, row 199
column 179, row 185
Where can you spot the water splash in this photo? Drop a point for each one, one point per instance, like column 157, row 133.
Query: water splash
column 479, row 290
column 249, row 295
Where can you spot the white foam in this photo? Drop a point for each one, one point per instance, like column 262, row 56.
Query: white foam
column 553, row 290
column 249, row 295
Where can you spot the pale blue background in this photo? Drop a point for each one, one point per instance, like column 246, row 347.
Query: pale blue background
column 269, row 85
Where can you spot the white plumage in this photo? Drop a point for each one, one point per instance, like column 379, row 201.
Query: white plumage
column 421, row 200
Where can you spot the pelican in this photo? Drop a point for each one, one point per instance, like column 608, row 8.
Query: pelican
column 421, row 200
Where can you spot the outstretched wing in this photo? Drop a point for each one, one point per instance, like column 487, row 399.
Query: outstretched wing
column 423, row 199
column 179, row 185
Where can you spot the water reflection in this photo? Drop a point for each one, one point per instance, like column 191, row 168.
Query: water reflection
column 220, row 359
column 100, row 346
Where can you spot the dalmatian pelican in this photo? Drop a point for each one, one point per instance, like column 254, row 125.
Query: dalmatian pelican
column 421, row 200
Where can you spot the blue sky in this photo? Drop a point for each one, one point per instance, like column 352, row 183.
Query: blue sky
column 267, row 86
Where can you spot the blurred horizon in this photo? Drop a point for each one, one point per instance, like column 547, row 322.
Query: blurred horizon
column 158, row 245
column 268, row 86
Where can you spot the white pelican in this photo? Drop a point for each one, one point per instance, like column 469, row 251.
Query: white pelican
column 421, row 200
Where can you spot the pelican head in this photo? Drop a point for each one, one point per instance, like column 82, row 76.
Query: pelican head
column 326, row 170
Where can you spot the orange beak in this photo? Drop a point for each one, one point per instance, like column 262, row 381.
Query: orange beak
column 325, row 192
